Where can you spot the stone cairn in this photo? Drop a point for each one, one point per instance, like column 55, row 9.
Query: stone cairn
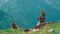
column 14, row 26
column 41, row 20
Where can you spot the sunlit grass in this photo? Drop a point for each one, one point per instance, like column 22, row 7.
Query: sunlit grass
column 55, row 26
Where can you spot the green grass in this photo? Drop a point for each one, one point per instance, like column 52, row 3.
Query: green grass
column 55, row 26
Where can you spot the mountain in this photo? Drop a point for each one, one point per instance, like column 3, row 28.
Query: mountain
column 26, row 12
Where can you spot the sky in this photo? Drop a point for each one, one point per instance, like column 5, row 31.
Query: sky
column 26, row 12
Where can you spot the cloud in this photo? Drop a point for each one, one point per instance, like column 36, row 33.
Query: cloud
column 53, row 3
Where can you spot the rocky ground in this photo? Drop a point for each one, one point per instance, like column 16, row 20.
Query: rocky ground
column 47, row 29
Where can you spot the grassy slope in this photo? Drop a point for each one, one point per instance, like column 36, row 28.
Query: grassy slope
column 55, row 26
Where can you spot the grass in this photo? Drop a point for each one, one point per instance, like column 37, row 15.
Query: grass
column 55, row 26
